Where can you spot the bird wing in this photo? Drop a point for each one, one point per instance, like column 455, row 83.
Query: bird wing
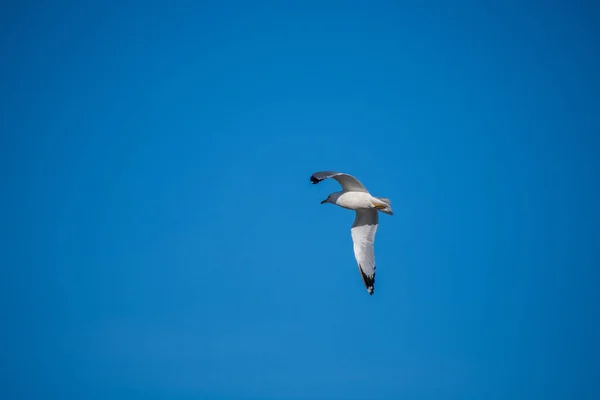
column 363, row 236
column 348, row 182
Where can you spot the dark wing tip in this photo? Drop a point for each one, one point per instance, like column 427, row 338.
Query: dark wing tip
column 322, row 175
column 369, row 282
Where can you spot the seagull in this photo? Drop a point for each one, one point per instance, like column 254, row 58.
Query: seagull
column 354, row 196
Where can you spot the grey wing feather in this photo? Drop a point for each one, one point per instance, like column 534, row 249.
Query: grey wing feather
column 363, row 237
column 348, row 182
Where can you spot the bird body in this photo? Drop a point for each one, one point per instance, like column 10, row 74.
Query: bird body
column 359, row 200
column 354, row 196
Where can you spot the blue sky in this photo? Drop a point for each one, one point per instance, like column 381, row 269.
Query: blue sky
column 161, row 238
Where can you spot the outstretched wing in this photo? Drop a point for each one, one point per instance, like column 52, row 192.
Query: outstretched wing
column 363, row 236
column 348, row 182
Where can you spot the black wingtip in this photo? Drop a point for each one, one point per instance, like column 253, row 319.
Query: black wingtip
column 314, row 180
column 369, row 282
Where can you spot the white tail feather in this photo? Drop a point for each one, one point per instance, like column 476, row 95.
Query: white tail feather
column 388, row 209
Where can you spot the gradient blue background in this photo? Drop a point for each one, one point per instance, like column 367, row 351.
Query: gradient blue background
column 161, row 239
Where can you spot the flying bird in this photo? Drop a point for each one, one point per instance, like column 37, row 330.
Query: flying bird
column 354, row 196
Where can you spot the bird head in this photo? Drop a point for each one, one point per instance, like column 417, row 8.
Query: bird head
column 332, row 198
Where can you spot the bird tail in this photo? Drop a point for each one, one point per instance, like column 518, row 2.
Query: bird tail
column 388, row 209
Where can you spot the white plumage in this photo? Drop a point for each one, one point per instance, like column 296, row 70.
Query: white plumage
column 354, row 196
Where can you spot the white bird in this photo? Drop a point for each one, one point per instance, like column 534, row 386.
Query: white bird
column 354, row 196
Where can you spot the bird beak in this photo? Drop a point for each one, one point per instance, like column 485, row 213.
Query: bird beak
column 324, row 201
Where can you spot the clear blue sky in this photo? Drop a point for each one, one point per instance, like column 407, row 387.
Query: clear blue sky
column 161, row 238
